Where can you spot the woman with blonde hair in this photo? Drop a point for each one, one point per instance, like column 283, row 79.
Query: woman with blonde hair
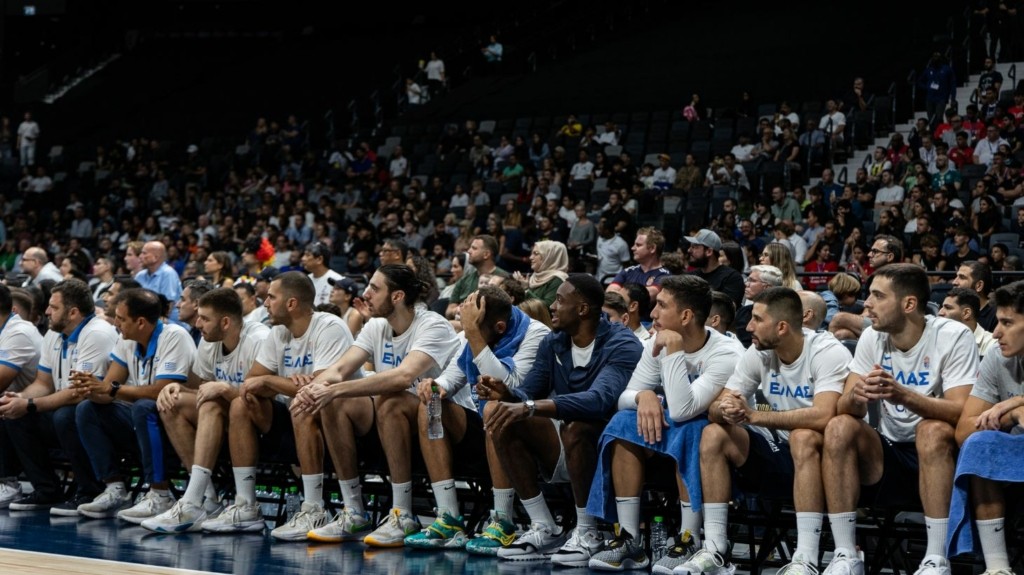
column 537, row 310
column 778, row 255
column 846, row 288
column 550, row 264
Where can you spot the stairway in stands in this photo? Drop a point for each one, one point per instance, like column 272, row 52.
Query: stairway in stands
column 964, row 94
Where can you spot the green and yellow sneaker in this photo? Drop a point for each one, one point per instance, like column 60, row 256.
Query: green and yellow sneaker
column 501, row 532
column 446, row 532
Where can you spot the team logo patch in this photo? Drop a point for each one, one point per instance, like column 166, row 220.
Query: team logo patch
column 927, row 360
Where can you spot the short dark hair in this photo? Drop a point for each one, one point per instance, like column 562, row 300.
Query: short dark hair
column 892, row 245
column 515, row 290
column 499, row 304
column 783, row 304
column 690, row 292
column 24, row 297
column 328, row 308
column 247, row 287
column 490, row 244
column 75, row 293
column 297, row 285
column 590, row 291
column 5, row 300
column 908, row 280
column 319, row 250
column 722, row 305
column 966, row 298
column 980, row 272
column 615, row 301
column 139, row 302
column 399, row 245
column 127, row 283
column 224, row 301
column 1011, row 296
column 400, row 277
column 198, row 288
column 639, row 294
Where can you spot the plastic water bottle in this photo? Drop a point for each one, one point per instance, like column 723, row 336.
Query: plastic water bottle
column 274, row 505
column 435, row 429
column 659, row 538
column 292, row 502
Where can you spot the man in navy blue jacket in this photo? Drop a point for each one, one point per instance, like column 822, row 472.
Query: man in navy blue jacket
column 552, row 421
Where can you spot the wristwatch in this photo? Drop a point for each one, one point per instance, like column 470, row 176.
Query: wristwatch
column 32, row 407
column 530, row 407
column 115, row 386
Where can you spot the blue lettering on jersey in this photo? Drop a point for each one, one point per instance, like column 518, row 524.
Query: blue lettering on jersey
column 799, row 392
column 389, row 357
column 915, row 378
column 776, row 388
column 236, row 378
column 298, row 362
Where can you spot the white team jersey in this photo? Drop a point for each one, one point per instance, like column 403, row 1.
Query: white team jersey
column 691, row 381
column 822, row 367
column 324, row 341
column 323, row 287
column 211, row 364
column 20, row 343
column 454, row 379
column 87, row 349
column 945, row 357
column 1001, row 378
column 259, row 315
column 429, row 333
column 167, row 356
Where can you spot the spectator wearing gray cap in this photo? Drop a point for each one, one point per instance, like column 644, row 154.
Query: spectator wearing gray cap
column 703, row 252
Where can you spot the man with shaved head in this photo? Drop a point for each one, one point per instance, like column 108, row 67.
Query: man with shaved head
column 38, row 266
column 157, row 276
column 814, row 309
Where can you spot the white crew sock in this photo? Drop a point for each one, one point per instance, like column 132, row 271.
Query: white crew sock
column 993, row 543
column 504, row 501
column 716, row 524
column 401, row 493
column 245, row 484
column 629, row 515
column 691, row 521
column 446, row 497
column 352, row 495
column 844, row 530
column 538, row 510
column 313, row 488
column 197, row 484
column 808, row 536
column 936, row 529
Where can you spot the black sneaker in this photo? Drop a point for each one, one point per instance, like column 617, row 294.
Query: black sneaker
column 34, row 501
column 69, row 508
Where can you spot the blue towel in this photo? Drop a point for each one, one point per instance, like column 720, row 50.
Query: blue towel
column 984, row 455
column 507, row 347
column 680, row 441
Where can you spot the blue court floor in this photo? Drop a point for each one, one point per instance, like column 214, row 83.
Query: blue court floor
column 238, row 554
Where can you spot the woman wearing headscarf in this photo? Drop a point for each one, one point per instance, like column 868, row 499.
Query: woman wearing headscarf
column 550, row 263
